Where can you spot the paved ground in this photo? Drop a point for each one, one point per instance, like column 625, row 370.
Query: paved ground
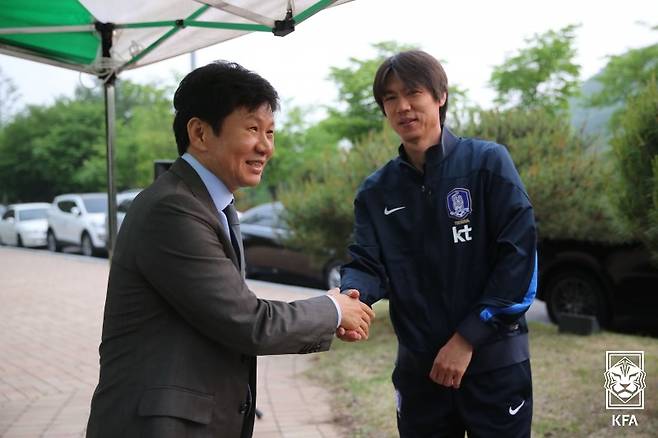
column 51, row 310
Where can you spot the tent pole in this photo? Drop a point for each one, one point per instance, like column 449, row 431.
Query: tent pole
column 110, row 114
column 106, row 31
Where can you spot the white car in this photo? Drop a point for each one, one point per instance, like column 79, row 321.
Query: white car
column 124, row 200
column 78, row 219
column 24, row 224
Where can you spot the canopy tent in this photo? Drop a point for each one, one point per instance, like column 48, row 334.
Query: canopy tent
column 104, row 38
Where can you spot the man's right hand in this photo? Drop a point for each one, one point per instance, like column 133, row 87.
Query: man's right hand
column 356, row 315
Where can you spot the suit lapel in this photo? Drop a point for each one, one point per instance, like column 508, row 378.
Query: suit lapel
column 189, row 176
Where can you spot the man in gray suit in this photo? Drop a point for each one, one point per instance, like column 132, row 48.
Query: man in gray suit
column 181, row 330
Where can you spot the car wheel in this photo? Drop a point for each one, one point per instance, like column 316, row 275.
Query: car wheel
column 19, row 240
column 332, row 275
column 52, row 243
column 576, row 292
column 86, row 246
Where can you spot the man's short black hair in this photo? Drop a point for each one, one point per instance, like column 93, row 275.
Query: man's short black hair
column 414, row 68
column 214, row 91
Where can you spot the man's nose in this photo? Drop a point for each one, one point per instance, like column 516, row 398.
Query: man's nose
column 403, row 105
column 265, row 145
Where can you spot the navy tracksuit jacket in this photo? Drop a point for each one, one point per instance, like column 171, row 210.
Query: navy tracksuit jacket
column 453, row 249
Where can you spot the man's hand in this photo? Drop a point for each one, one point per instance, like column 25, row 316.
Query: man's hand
column 451, row 362
column 351, row 335
column 356, row 316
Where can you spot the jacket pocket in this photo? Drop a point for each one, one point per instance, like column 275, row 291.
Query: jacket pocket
column 177, row 402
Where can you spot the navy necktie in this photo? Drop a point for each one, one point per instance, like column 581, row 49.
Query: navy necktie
column 234, row 231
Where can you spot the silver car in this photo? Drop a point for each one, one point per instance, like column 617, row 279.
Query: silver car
column 24, row 224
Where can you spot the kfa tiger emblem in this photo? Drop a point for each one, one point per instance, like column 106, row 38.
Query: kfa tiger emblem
column 625, row 381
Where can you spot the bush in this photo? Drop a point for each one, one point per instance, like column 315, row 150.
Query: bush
column 565, row 174
column 320, row 209
column 635, row 146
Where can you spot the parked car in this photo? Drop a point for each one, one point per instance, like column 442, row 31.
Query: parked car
column 25, row 224
column 124, row 200
column 611, row 282
column 264, row 234
column 3, row 208
column 78, row 219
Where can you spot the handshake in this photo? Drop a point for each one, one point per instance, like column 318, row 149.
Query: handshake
column 356, row 316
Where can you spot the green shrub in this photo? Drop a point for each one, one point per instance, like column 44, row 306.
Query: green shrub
column 565, row 173
column 320, row 209
column 635, row 146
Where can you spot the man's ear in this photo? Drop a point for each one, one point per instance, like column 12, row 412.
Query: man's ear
column 443, row 99
column 196, row 132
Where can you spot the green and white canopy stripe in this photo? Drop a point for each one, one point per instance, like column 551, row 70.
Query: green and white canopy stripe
column 68, row 33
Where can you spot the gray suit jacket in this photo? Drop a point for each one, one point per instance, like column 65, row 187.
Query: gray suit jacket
column 181, row 329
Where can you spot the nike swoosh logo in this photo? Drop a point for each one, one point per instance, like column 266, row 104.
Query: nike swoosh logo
column 393, row 210
column 516, row 409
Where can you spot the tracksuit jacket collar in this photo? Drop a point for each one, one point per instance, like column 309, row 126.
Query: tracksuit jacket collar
column 436, row 153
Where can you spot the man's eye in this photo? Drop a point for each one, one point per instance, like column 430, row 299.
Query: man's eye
column 253, row 128
column 388, row 98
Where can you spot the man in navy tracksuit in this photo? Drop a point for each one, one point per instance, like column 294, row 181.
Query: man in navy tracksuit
column 446, row 232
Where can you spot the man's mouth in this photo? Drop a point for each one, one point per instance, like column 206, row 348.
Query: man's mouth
column 406, row 122
column 256, row 165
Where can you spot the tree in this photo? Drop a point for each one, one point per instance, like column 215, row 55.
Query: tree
column 44, row 148
column 358, row 113
column 49, row 150
column 8, row 97
column 541, row 75
column 143, row 133
column 129, row 96
column 635, row 145
column 625, row 75
column 564, row 172
column 319, row 209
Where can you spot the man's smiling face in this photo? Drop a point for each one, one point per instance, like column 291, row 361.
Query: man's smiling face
column 412, row 112
column 245, row 144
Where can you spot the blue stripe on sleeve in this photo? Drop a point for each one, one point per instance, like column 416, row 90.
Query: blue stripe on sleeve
column 490, row 312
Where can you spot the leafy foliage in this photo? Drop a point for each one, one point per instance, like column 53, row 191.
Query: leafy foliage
column 635, row 145
column 45, row 149
column 320, row 209
column 625, row 75
column 565, row 175
column 61, row 148
column 542, row 75
column 360, row 114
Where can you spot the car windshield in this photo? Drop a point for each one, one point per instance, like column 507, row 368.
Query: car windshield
column 32, row 214
column 96, row 205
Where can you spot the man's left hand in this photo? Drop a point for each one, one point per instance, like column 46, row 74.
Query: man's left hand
column 451, row 362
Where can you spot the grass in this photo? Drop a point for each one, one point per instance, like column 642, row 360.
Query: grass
column 569, row 399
